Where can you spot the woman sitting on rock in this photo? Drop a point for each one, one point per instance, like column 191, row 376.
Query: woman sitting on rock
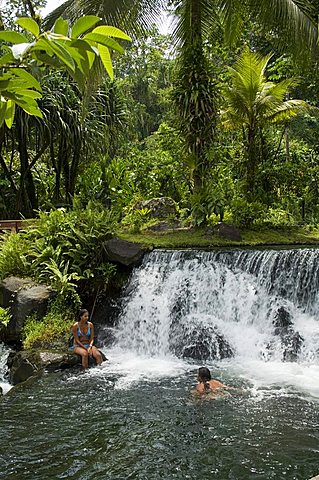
column 83, row 333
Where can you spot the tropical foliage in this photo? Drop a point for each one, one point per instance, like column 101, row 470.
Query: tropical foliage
column 252, row 104
column 77, row 54
column 63, row 249
column 206, row 116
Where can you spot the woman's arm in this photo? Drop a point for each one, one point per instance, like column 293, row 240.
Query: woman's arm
column 91, row 337
column 92, row 334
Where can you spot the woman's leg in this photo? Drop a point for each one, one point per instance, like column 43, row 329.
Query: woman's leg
column 97, row 355
column 84, row 356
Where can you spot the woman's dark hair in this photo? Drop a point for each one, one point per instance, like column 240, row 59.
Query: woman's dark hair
column 204, row 376
column 81, row 313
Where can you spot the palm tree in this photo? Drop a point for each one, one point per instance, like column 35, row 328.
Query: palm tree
column 195, row 94
column 252, row 104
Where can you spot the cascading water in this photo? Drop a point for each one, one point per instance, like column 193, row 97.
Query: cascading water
column 4, row 352
column 258, row 309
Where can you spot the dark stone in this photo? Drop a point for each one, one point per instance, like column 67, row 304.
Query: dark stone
column 282, row 322
column 225, row 230
column 23, row 366
column 26, row 364
column 159, row 207
column 292, row 345
column 123, row 252
column 24, row 298
column 205, row 343
column 291, row 340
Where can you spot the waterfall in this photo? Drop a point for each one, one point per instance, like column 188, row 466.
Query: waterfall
column 4, row 352
column 243, row 304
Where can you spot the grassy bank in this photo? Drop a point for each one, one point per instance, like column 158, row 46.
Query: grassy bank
column 201, row 238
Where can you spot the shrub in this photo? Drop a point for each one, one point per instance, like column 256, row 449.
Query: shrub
column 52, row 330
column 245, row 214
column 62, row 249
column 5, row 317
column 13, row 255
column 135, row 219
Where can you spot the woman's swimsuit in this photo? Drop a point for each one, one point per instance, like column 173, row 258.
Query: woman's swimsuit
column 81, row 335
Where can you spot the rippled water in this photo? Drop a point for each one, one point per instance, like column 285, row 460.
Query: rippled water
column 130, row 420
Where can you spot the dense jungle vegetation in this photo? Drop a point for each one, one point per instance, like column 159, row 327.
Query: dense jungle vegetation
column 220, row 115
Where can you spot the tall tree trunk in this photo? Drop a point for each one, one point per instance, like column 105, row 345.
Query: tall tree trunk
column 251, row 163
column 195, row 94
column 27, row 200
column 287, row 144
column 74, row 167
column 58, row 164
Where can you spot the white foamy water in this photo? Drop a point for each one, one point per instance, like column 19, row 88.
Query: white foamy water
column 130, row 369
column 181, row 304
column 4, row 384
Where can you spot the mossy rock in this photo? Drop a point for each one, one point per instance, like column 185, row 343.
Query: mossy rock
column 25, row 364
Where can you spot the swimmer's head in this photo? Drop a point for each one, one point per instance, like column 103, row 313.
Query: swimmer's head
column 204, row 374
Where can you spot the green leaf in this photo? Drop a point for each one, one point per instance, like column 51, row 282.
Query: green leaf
column 47, row 59
column 6, row 58
column 84, row 24
column 106, row 60
column 4, row 82
column 62, row 54
column 28, row 78
column 112, row 32
column 82, row 63
column 81, row 45
column 27, row 104
column 9, row 114
column 29, row 24
column 12, row 37
column 104, row 40
column 29, row 93
column 43, row 44
column 61, row 26
column 32, row 110
column 3, row 107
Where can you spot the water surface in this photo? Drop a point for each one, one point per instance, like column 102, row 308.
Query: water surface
column 120, row 422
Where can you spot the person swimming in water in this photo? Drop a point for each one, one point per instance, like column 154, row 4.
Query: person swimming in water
column 83, row 333
column 207, row 385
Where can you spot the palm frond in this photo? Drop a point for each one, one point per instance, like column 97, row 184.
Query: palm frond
column 252, row 100
column 133, row 16
column 231, row 12
column 287, row 110
column 194, row 18
column 290, row 21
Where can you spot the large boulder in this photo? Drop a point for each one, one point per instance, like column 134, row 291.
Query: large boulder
column 160, row 208
column 200, row 343
column 121, row 251
column 286, row 338
column 24, row 297
column 25, row 364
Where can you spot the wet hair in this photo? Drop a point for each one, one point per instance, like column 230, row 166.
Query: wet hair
column 81, row 313
column 204, row 376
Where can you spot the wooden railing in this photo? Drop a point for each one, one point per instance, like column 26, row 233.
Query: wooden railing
column 12, row 225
